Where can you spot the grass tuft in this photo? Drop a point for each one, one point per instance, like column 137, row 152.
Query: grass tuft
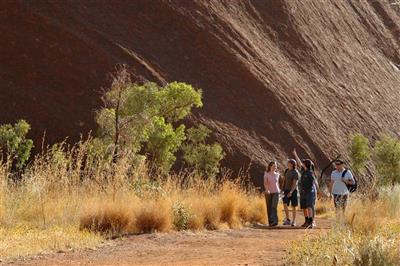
column 154, row 217
column 227, row 200
column 110, row 221
column 258, row 210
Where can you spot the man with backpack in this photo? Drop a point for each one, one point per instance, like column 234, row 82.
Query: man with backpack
column 342, row 183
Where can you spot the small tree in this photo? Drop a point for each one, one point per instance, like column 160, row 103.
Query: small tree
column 204, row 158
column 387, row 159
column 359, row 152
column 142, row 117
column 14, row 145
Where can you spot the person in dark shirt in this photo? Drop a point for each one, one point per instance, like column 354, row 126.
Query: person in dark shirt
column 307, row 190
column 290, row 180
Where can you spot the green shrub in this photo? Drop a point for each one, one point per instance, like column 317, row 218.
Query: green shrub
column 181, row 216
column 387, row 159
column 204, row 158
column 359, row 152
column 142, row 118
column 14, row 145
column 148, row 188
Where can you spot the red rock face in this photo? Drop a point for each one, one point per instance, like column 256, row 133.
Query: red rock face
column 275, row 74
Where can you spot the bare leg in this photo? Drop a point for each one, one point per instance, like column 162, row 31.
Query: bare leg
column 305, row 212
column 294, row 214
column 310, row 212
column 285, row 207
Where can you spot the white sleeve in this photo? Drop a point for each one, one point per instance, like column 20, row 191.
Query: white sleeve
column 265, row 180
column 349, row 176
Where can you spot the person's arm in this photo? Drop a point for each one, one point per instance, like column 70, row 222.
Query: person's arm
column 330, row 186
column 316, row 184
column 348, row 179
column 265, row 182
column 297, row 158
column 282, row 181
column 280, row 185
column 318, row 192
column 294, row 185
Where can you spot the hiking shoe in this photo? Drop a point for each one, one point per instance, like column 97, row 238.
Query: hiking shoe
column 310, row 223
column 293, row 224
column 273, row 225
column 314, row 224
column 286, row 222
column 305, row 225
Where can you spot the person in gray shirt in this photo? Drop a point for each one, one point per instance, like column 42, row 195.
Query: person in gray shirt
column 290, row 180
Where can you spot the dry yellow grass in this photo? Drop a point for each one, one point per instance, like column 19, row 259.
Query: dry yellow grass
column 22, row 241
column 110, row 219
column 208, row 212
column 369, row 216
column 258, row 210
column 229, row 199
column 368, row 234
column 154, row 217
column 67, row 200
column 325, row 208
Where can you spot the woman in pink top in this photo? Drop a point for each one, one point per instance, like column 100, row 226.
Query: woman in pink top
column 271, row 185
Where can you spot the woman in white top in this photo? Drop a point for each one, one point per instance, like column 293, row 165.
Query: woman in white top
column 271, row 186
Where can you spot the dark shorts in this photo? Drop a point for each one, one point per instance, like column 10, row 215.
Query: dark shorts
column 292, row 200
column 307, row 200
column 340, row 201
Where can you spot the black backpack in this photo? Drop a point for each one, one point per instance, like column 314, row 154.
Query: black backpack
column 351, row 188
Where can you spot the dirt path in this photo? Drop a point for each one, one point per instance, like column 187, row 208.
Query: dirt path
column 248, row 246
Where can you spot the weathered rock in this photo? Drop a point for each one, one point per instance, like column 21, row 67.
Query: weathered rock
column 276, row 74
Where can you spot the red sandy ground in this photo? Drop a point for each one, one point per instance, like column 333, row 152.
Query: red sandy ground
column 248, row 246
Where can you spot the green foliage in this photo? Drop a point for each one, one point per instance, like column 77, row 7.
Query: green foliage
column 147, row 188
column 359, row 152
column 176, row 100
column 14, row 144
column 59, row 157
column 204, row 158
column 142, row 117
column 387, row 159
column 96, row 149
column 181, row 216
column 163, row 142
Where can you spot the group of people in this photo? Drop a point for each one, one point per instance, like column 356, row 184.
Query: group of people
column 299, row 178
